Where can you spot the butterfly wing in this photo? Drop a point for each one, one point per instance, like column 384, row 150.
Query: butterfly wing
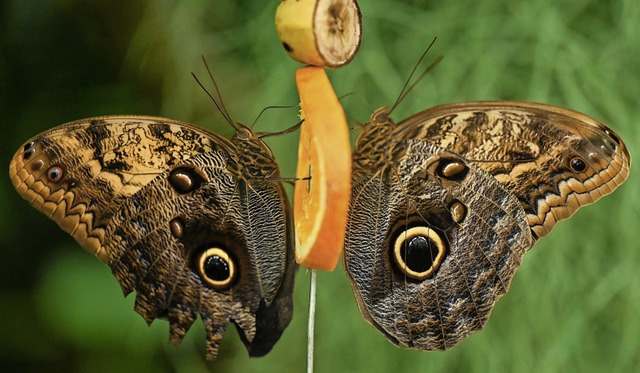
column 446, row 203
column 168, row 207
column 428, row 252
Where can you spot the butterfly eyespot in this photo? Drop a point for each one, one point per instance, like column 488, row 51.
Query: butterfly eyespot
column 287, row 47
column 29, row 150
column 55, row 173
column 176, row 226
column 28, row 145
column 186, row 179
column 36, row 165
column 458, row 211
column 418, row 252
column 578, row 165
column 452, row 169
column 613, row 136
column 216, row 268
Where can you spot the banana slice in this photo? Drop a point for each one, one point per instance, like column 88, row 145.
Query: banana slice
column 323, row 33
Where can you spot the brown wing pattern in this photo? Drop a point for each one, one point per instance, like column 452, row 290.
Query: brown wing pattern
column 554, row 160
column 446, row 203
column 184, row 217
column 101, row 162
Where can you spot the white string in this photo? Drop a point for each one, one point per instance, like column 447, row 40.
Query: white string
column 312, row 321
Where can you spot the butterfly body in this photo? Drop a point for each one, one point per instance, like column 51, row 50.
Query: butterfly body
column 446, row 203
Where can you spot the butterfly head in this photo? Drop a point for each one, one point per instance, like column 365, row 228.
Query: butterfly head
column 381, row 117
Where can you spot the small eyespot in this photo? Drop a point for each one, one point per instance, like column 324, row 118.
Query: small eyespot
column 458, row 211
column 452, row 169
column 216, row 268
column 36, row 165
column 176, row 226
column 287, row 47
column 186, row 179
column 55, row 173
column 28, row 153
column 578, row 165
column 613, row 136
column 418, row 252
column 28, row 145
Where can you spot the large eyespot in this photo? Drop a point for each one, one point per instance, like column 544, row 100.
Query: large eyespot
column 216, row 268
column 577, row 164
column 418, row 252
column 55, row 174
column 186, row 179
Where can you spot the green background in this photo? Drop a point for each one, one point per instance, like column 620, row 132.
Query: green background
column 573, row 306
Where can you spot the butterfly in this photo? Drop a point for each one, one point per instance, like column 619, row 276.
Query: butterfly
column 195, row 224
column 446, row 203
column 444, row 206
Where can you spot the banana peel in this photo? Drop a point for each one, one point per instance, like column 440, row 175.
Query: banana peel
column 324, row 33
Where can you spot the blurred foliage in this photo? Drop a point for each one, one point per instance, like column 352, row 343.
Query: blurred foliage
column 573, row 306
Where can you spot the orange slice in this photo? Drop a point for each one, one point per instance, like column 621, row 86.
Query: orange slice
column 320, row 204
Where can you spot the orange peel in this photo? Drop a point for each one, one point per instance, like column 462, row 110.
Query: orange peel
column 321, row 195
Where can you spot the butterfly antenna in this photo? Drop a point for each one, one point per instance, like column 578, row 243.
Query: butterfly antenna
column 351, row 118
column 215, row 102
column 408, row 87
column 218, row 99
column 270, row 107
column 357, row 124
column 360, row 97
column 215, row 85
column 293, row 128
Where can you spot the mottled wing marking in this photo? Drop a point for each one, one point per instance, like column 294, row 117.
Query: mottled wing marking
column 108, row 182
column 106, row 161
column 446, row 203
column 486, row 249
column 527, row 147
column 151, row 263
